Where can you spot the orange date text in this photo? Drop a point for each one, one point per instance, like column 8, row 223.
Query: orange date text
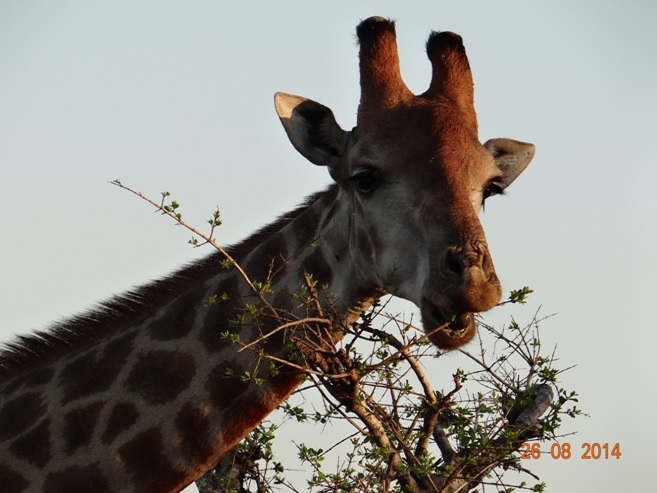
column 564, row 450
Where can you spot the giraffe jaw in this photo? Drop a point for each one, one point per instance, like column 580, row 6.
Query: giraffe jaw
column 447, row 332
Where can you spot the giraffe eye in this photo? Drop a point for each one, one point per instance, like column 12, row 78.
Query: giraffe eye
column 365, row 181
column 491, row 190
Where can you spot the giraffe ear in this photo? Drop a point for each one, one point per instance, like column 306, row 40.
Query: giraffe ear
column 312, row 129
column 511, row 157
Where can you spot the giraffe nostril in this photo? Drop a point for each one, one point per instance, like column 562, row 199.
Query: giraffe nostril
column 454, row 263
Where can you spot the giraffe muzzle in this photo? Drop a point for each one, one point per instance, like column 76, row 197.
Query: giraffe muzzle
column 470, row 285
column 470, row 275
column 447, row 329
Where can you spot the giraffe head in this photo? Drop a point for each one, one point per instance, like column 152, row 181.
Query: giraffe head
column 413, row 177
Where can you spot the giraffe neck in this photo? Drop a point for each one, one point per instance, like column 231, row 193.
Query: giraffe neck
column 166, row 392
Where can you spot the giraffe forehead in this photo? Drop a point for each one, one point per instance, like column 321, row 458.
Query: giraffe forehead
column 426, row 151
column 420, row 130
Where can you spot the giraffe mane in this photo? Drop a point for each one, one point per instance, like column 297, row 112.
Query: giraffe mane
column 36, row 349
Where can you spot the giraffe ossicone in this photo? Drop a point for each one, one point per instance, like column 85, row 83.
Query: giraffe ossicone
column 147, row 392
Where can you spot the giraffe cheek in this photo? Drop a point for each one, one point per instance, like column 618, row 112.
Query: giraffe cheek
column 362, row 252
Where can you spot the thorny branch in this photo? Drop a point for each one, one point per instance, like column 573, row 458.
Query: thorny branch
column 208, row 239
column 390, row 435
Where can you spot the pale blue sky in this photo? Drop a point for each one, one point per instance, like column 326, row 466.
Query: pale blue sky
column 179, row 96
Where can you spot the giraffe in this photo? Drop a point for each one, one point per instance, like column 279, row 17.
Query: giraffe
column 146, row 392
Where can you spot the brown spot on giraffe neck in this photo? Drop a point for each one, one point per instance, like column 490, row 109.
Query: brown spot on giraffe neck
column 177, row 320
column 19, row 414
column 95, row 370
column 11, row 481
column 304, row 230
column 33, row 379
column 79, row 425
column 317, row 266
column 160, row 376
column 77, row 479
column 217, row 314
column 122, row 417
column 269, row 260
column 194, row 434
column 256, row 406
column 224, row 384
column 148, row 466
column 34, row 446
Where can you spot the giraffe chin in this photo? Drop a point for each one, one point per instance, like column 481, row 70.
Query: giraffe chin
column 447, row 333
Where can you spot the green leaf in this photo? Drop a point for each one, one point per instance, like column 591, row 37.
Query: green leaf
column 520, row 295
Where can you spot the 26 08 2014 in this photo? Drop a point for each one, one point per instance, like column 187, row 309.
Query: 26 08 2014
column 564, row 450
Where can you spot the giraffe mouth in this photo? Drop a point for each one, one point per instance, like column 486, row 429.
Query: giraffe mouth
column 447, row 329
